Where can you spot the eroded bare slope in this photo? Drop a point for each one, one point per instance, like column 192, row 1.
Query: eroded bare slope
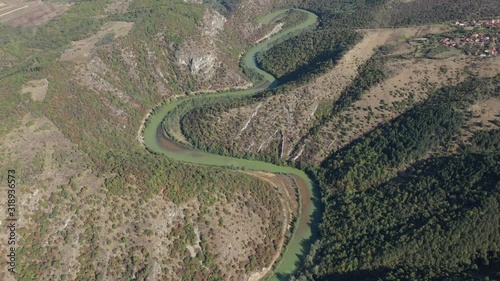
column 281, row 121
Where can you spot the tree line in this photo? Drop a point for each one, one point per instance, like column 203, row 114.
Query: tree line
column 392, row 214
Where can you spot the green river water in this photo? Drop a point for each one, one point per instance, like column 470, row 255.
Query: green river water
column 157, row 143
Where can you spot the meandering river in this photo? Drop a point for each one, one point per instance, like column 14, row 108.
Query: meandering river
column 155, row 141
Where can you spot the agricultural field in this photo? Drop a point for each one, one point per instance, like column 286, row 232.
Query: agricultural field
column 30, row 12
column 81, row 51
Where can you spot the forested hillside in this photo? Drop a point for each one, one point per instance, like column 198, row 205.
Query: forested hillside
column 381, row 13
column 344, row 14
column 394, row 209
column 436, row 219
column 399, row 130
column 303, row 57
column 305, row 53
column 408, row 138
column 432, row 11
column 97, row 204
column 391, row 214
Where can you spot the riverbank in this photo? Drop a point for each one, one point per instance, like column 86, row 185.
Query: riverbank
column 155, row 142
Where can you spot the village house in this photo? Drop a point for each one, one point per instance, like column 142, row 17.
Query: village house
column 485, row 43
column 474, row 23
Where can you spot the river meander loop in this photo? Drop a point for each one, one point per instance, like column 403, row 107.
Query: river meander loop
column 156, row 142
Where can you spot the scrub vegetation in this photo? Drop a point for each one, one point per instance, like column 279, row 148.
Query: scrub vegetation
column 400, row 132
column 96, row 203
column 406, row 196
column 303, row 53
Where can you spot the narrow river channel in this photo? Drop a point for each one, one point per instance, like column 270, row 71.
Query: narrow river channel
column 156, row 142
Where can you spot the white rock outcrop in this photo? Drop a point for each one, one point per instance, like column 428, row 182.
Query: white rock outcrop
column 202, row 65
column 212, row 23
column 201, row 56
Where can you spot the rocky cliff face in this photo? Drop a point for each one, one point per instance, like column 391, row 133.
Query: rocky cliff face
column 202, row 57
column 212, row 57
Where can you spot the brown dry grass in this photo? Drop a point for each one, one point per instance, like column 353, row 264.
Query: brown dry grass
column 293, row 113
column 410, row 81
column 81, row 51
column 15, row 12
column 37, row 88
column 118, row 6
column 59, row 193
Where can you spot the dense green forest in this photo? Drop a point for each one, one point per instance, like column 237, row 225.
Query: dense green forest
column 391, row 146
column 301, row 54
column 388, row 216
column 436, row 219
column 485, row 141
column 432, row 11
column 343, row 14
column 385, row 13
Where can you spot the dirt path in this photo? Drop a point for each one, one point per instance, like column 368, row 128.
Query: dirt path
column 140, row 137
column 275, row 30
